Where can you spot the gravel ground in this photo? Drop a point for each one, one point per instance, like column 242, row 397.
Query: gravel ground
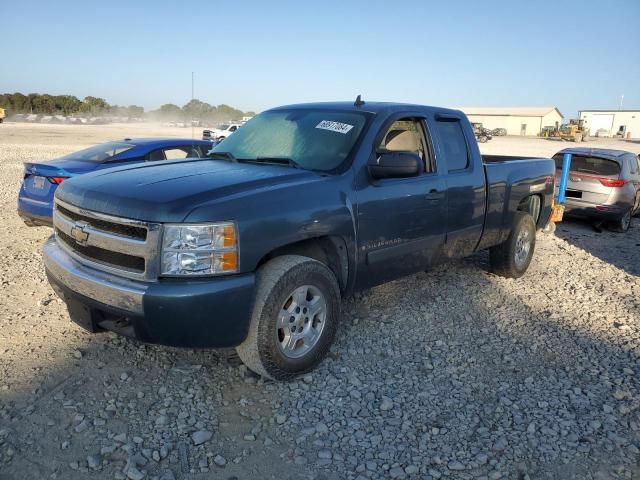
column 453, row 373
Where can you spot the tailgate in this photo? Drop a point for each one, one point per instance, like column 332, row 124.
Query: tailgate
column 591, row 179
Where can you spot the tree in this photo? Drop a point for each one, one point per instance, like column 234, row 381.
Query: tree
column 94, row 105
column 225, row 112
column 135, row 111
column 18, row 101
column 5, row 101
column 197, row 109
column 67, row 104
column 168, row 111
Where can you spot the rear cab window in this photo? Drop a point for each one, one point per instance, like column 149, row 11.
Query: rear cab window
column 454, row 143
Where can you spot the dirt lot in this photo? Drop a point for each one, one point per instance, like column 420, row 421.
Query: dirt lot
column 453, row 373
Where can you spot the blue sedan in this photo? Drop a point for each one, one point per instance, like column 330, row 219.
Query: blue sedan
column 35, row 200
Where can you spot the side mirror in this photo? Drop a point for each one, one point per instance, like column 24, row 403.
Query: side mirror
column 396, row 165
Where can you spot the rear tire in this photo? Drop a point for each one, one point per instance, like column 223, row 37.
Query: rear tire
column 511, row 258
column 622, row 224
column 295, row 317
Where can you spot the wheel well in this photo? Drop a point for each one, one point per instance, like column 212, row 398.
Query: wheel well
column 531, row 204
column 330, row 250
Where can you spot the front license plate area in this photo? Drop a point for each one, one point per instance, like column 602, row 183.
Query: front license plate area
column 81, row 314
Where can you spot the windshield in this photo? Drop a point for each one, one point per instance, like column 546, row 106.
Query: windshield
column 223, row 127
column 100, row 153
column 313, row 139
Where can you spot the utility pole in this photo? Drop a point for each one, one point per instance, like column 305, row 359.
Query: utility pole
column 621, row 100
column 192, row 82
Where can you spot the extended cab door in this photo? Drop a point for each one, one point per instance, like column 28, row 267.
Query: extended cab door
column 401, row 221
column 465, row 183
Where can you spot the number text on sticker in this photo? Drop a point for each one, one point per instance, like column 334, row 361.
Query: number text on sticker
column 334, row 126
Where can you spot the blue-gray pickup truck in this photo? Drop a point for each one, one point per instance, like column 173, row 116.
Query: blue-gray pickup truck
column 254, row 247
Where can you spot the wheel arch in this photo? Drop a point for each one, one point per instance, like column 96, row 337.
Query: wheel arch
column 533, row 205
column 331, row 250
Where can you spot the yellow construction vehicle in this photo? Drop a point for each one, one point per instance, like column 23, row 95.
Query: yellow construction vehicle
column 573, row 131
column 2, row 114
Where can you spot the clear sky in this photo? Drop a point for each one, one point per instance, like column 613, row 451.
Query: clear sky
column 256, row 54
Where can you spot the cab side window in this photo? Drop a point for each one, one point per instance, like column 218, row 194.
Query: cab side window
column 407, row 135
column 453, row 143
column 177, row 153
column 155, row 155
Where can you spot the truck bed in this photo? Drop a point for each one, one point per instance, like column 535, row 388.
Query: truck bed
column 510, row 178
column 504, row 158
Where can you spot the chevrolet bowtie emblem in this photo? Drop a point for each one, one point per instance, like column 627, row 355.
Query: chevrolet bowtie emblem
column 79, row 233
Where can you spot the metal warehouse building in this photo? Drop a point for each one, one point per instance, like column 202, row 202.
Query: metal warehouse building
column 613, row 122
column 517, row 121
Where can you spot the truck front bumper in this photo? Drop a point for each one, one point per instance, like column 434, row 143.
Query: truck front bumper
column 209, row 313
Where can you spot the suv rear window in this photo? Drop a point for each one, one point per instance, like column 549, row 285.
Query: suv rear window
column 589, row 165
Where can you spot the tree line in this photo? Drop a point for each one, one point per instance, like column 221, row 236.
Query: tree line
column 198, row 110
column 63, row 104
column 71, row 105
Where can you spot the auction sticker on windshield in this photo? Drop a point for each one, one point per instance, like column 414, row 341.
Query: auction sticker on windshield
column 334, row 126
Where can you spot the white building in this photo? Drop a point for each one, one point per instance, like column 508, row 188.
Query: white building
column 612, row 122
column 516, row 120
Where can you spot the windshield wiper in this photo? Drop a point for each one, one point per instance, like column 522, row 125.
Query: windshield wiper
column 278, row 161
column 222, row 156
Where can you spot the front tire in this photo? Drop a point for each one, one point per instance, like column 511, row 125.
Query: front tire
column 511, row 258
column 295, row 317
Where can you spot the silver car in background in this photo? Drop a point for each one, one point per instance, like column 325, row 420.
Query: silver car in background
column 603, row 185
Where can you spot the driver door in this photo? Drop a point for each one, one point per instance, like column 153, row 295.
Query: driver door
column 402, row 221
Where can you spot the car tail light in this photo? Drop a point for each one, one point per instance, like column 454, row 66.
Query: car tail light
column 57, row 180
column 610, row 182
column 607, row 182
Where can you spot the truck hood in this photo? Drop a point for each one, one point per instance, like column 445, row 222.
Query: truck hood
column 169, row 191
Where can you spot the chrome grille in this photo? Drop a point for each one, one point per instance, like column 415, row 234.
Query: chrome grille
column 122, row 246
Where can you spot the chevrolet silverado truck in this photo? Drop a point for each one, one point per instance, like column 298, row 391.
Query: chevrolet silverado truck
column 255, row 247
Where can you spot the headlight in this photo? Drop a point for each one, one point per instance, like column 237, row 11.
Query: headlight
column 202, row 249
